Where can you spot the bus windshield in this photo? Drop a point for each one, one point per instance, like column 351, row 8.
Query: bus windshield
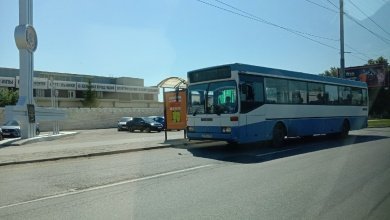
column 213, row 98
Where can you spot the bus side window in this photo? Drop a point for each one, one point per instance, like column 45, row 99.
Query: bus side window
column 297, row 98
column 251, row 92
column 246, row 92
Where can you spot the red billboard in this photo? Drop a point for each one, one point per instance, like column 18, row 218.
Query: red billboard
column 374, row 75
column 176, row 109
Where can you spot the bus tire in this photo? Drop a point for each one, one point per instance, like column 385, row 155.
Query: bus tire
column 344, row 129
column 278, row 135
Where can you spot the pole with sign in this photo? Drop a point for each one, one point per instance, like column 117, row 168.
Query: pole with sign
column 27, row 42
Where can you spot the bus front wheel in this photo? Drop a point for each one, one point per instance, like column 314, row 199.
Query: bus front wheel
column 278, row 135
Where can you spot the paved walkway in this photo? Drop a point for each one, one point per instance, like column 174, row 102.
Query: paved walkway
column 17, row 151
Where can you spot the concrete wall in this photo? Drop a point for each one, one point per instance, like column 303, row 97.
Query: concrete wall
column 86, row 118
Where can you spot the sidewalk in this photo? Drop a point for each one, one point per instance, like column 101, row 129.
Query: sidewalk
column 17, row 151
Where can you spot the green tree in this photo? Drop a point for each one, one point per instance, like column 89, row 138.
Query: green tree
column 379, row 96
column 8, row 97
column 333, row 71
column 90, row 98
column 379, row 60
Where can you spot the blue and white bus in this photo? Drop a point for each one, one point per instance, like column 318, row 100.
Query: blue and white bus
column 241, row 103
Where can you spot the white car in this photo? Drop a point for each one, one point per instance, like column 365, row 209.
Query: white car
column 12, row 129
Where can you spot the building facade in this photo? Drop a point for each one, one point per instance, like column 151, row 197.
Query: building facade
column 69, row 89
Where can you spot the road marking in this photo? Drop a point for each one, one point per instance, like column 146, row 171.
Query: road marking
column 75, row 191
column 275, row 152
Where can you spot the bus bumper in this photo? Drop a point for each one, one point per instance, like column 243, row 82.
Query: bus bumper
column 213, row 133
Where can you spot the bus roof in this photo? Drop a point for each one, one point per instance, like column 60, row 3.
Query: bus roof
column 286, row 73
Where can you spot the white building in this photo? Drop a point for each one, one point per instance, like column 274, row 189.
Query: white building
column 122, row 92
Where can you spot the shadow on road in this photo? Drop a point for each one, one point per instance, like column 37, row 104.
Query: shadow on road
column 262, row 152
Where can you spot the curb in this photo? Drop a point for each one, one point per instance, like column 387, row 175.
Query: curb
column 102, row 153
column 19, row 142
column 82, row 155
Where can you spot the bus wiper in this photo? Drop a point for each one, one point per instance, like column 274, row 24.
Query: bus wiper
column 218, row 109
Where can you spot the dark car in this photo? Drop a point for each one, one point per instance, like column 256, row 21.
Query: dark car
column 12, row 129
column 122, row 123
column 144, row 124
column 159, row 119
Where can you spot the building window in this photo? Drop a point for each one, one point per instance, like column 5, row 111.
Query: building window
column 148, row 96
column 135, row 96
column 39, row 92
column 99, row 95
column 71, row 94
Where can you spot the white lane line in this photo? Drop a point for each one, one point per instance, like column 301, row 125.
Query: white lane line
column 106, row 186
column 275, row 152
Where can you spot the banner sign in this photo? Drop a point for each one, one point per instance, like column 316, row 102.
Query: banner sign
column 98, row 87
column 373, row 75
column 44, row 83
column 176, row 109
column 65, row 85
column 39, row 83
column 7, row 81
column 105, row 87
column 135, row 89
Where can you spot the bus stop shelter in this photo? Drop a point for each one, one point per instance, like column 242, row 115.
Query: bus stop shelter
column 175, row 107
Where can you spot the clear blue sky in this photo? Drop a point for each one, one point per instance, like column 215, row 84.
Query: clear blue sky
column 154, row 39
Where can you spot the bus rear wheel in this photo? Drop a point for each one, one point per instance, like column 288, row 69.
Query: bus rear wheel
column 344, row 129
column 278, row 135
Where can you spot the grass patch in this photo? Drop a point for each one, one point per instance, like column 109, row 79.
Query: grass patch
column 378, row 123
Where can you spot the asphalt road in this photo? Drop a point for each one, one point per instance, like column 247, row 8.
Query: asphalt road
column 317, row 178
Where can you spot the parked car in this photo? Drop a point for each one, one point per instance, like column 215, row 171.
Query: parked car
column 144, row 124
column 122, row 123
column 159, row 119
column 12, row 129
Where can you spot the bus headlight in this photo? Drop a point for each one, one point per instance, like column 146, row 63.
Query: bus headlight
column 190, row 129
column 226, row 130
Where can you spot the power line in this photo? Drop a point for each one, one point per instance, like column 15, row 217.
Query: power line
column 293, row 31
column 332, row 4
column 350, row 47
column 368, row 17
column 358, row 23
column 356, row 51
column 358, row 57
column 322, row 6
column 387, row 41
column 273, row 24
column 258, row 19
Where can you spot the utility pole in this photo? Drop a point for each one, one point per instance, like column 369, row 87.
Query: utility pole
column 342, row 60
